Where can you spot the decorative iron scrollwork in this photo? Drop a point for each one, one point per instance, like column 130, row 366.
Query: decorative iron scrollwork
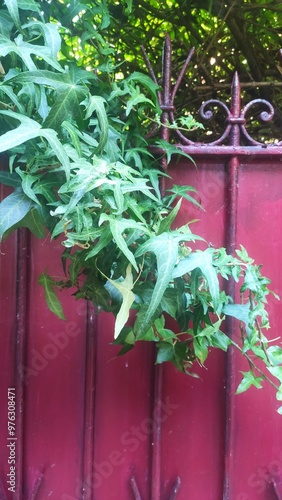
column 235, row 116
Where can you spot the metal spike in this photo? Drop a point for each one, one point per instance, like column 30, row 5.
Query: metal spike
column 135, row 489
column 175, row 489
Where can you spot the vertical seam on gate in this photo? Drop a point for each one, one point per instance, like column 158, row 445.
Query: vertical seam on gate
column 23, row 241
column 156, row 438
column 89, row 402
column 231, row 233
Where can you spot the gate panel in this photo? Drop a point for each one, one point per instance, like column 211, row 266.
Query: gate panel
column 122, row 431
column 194, row 433
column 8, row 265
column 258, row 428
column 54, row 383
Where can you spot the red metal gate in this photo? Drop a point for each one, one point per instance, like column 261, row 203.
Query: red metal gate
column 90, row 425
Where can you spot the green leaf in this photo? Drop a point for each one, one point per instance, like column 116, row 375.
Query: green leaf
column 10, row 179
column 29, row 5
column 74, row 8
column 51, row 35
column 240, row 312
column 188, row 264
column 27, row 182
column 47, row 78
column 24, row 132
column 6, row 89
column 165, row 247
column 128, row 297
column 182, row 191
column 73, row 133
column 66, row 107
column 171, row 301
column 149, row 336
column 50, row 296
column 30, row 129
column 170, row 149
column 165, row 352
column 166, row 222
column 118, row 228
column 104, row 238
column 33, row 221
column 201, row 349
column 136, row 97
column 146, row 81
column 274, row 353
column 276, row 371
column 6, row 23
column 97, row 104
column 13, row 209
column 24, row 50
column 202, row 260
column 12, row 6
column 220, row 340
column 57, row 148
column 249, row 379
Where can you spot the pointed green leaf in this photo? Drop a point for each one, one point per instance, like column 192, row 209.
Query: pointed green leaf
column 29, row 5
column 6, row 89
column 51, row 35
column 50, row 296
column 97, row 104
column 66, row 107
column 57, row 148
column 118, row 228
column 12, row 6
column 165, row 247
column 145, row 80
column 33, row 221
column 202, row 260
column 18, row 135
column 165, row 352
column 44, row 77
column 27, row 182
column 249, row 379
column 240, row 312
column 187, row 264
column 276, row 371
column 24, row 50
column 274, row 353
column 170, row 149
column 10, row 179
column 201, row 349
column 30, row 129
column 13, row 209
column 128, row 297
column 166, row 222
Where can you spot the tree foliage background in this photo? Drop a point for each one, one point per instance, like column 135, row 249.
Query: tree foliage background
column 242, row 35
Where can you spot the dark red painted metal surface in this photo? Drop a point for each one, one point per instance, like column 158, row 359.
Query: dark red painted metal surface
column 90, row 425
